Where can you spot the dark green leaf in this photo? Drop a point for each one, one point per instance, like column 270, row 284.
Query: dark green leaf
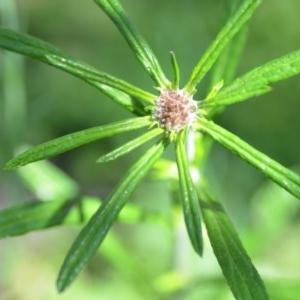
column 233, row 25
column 284, row 177
column 34, row 216
column 139, row 46
column 73, row 140
column 242, row 277
column 94, row 232
column 189, row 197
column 48, row 54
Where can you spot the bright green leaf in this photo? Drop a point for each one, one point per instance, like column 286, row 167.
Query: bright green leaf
column 189, row 197
column 284, row 177
column 256, row 82
column 128, row 147
column 242, row 277
column 94, row 232
column 139, row 46
column 74, row 140
column 233, row 25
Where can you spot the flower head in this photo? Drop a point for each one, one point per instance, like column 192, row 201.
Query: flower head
column 175, row 110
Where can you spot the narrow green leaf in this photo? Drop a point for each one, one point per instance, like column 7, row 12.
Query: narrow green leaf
column 256, row 82
column 225, row 67
column 189, row 197
column 235, row 96
column 139, row 46
column 176, row 71
column 233, row 25
column 89, row 74
column 284, row 177
column 94, row 232
column 74, row 140
column 50, row 55
column 34, row 216
column 242, row 277
column 128, row 147
column 128, row 102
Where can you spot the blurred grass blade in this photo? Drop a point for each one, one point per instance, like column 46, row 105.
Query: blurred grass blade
column 139, row 46
column 74, row 140
column 189, row 197
column 46, row 181
column 42, row 51
column 256, row 82
column 242, row 277
column 94, row 232
column 233, row 25
column 284, row 177
column 33, row 216
column 128, row 147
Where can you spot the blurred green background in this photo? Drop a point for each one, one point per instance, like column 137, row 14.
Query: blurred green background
column 39, row 103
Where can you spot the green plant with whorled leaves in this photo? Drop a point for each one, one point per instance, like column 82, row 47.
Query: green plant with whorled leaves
column 170, row 118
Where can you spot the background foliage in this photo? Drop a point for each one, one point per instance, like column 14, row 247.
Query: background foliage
column 56, row 104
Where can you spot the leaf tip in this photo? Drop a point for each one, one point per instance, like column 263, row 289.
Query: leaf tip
column 10, row 165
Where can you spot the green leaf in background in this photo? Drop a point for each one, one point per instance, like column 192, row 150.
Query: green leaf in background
column 256, row 82
column 284, row 177
column 139, row 46
column 94, row 232
column 233, row 25
column 46, row 181
column 38, row 215
column 74, row 140
column 42, row 51
column 242, row 277
column 189, row 197
column 130, row 146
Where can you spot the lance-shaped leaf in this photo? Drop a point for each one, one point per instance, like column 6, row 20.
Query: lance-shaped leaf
column 128, row 147
column 189, row 197
column 256, row 82
column 94, row 232
column 284, row 177
column 42, row 51
column 233, row 25
column 242, row 277
column 74, row 140
column 139, row 46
